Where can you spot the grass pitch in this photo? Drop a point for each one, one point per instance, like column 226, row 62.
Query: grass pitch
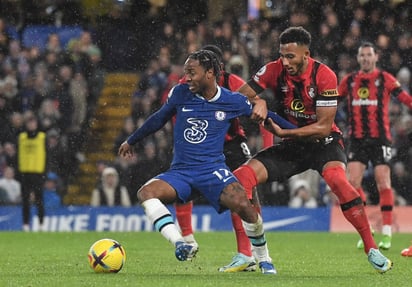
column 301, row 258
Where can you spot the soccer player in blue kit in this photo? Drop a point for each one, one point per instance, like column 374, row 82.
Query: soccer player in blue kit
column 203, row 111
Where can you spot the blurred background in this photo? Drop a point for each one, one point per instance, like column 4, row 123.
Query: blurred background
column 92, row 71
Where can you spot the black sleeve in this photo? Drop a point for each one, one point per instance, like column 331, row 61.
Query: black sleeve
column 258, row 89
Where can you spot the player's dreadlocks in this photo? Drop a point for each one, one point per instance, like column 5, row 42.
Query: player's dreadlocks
column 208, row 60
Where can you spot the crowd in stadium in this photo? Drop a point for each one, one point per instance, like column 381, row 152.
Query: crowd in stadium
column 61, row 84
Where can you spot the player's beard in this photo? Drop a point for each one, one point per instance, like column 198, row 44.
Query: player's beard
column 367, row 67
column 299, row 68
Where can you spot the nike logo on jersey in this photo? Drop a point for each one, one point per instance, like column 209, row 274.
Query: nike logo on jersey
column 184, row 109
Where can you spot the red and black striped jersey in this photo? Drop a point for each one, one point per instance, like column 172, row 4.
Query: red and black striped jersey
column 299, row 96
column 368, row 99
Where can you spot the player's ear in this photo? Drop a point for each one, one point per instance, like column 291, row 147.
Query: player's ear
column 306, row 54
column 209, row 74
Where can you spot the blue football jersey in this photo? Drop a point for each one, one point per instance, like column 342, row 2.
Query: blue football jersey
column 201, row 125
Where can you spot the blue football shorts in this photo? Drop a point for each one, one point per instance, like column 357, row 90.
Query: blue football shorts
column 209, row 180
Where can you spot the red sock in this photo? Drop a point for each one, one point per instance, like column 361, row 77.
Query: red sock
column 362, row 194
column 386, row 202
column 184, row 217
column 243, row 242
column 247, row 178
column 351, row 204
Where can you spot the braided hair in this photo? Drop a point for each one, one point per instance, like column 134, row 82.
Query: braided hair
column 208, row 60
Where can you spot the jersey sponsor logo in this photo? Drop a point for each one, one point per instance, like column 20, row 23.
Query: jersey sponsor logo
column 184, row 109
column 363, row 93
column 220, row 115
column 196, row 133
column 364, row 102
column 297, row 106
column 299, row 115
column 330, row 93
column 332, row 103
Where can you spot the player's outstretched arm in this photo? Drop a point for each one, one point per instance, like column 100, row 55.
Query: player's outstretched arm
column 155, row 122
column 318, row 130
column 260, row 109
column 281, row 122
column 404, row 97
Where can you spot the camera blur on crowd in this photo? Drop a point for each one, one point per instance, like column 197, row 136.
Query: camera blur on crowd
column 60, row 83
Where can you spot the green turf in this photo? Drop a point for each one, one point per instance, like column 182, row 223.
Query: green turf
column 302, row 259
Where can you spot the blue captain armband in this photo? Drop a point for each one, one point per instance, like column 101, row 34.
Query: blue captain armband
column 284, row 124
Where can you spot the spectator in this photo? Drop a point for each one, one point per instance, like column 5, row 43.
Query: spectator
column 128, row 127
column 57, row 158
column 110, row 193
column 127, row 169
column 402, row 182
column 51, row 197
column 16, row 125
column 5, row 111
column 49, row 115
column 53, row 44
column 11, row 187
column 10, row 154
column 301, row 195
column 4, row 38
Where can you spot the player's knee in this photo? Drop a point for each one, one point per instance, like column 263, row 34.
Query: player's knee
column 241, row 205
column 145, row 193
column 142, row 195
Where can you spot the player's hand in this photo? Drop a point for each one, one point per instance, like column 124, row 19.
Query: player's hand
column 273, row 128
column 125, row 150
column 260, row 110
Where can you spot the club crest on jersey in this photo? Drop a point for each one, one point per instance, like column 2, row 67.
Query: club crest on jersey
column 377, row 83
column 312, row 91
column 220, row 115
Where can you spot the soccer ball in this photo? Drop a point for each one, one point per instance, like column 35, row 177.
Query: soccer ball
column 106, row 256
